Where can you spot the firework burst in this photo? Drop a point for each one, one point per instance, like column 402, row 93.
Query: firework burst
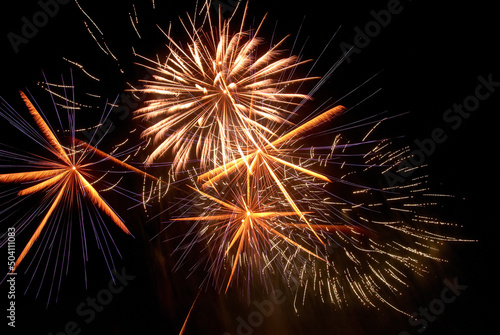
column 263, row 161
column 249, row 226
column 217, row 93
column 66, row 176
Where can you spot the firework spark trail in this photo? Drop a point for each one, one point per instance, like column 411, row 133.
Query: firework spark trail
column 364, row 261
column 114, row 160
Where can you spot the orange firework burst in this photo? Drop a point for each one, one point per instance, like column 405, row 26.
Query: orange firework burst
column 250, row 226
column 63, row 178
column 216, row 93
column 268, row 157
column 67, row 179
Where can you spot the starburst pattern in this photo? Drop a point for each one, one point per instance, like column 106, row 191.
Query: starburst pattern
column 249, row 226
column 217, row 93
column 65, row 178
column 266, row 158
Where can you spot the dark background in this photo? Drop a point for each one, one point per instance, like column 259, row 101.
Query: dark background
column 428, row 58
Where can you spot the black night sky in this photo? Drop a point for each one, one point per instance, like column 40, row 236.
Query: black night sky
column 426, row 58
